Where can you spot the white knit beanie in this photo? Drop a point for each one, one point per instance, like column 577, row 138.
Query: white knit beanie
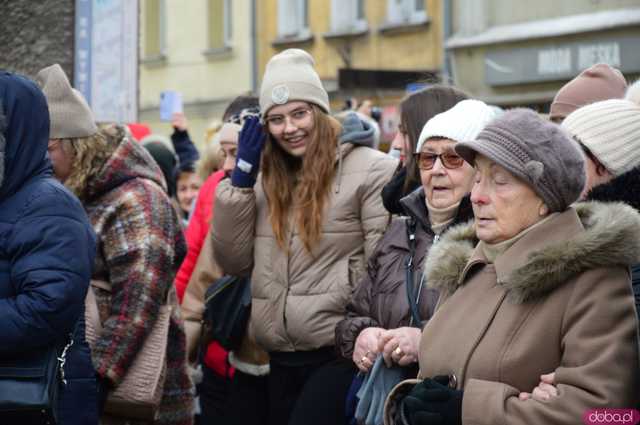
column 633, row 93
column 461, row 123
column 290, row 76
column 611, row 131
column 69, row 112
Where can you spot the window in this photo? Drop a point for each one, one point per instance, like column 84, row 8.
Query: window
column 406, row 11
column 220, row 19
column 348, row 16
column 155, row 29
column 293, row 19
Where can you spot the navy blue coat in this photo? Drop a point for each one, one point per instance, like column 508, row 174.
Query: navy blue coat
column 47, row 249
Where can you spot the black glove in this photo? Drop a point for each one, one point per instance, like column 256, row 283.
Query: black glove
column 432, row 402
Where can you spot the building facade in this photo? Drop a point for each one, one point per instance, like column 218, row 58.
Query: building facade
column 521, row 53
column 373, row 49
column 202, row 49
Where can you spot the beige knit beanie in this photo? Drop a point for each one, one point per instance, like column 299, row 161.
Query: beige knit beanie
column 69, row 112
column 611, row 131
column 290, row 76
column 229, row 133
column 599, row 82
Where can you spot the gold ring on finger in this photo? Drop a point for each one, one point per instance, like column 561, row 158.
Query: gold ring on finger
column 398, row 351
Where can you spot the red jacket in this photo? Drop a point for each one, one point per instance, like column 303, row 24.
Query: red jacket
column 197, row 230
column 195, row 234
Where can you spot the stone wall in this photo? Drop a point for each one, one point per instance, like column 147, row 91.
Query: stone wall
column 35, row 34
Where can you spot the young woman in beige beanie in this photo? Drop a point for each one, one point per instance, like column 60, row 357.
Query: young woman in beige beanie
column 303, row 229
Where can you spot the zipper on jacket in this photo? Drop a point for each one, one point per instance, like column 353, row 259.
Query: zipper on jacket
column 286, row 280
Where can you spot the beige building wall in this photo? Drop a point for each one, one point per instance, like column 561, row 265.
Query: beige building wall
column 207, row 79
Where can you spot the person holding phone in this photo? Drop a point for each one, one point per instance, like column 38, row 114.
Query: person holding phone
column 303, row 227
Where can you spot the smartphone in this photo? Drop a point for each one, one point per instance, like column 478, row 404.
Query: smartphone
column 170, row 103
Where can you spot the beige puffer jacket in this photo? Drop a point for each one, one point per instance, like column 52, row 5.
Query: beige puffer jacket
column 298, row 298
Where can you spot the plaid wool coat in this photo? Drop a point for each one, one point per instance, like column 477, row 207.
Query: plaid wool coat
column 140, row 247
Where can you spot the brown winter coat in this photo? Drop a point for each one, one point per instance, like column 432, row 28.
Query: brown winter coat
column 298, row 298
column 249, row 358
column 558, row 300
column 380, row 300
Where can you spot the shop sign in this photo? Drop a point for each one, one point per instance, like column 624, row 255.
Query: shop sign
column 560, row 61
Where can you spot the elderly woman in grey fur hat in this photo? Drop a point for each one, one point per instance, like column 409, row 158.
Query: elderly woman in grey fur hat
column 536, row 283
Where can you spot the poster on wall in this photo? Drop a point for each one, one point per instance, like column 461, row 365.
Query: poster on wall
column 106, row 57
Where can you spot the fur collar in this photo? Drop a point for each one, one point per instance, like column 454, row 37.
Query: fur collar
column 611, row 238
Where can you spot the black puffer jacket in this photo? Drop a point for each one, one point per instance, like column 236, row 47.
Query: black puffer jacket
column 625, row 188
column 380, row 300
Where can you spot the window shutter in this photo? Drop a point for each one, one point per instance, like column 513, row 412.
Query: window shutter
column 216, row 24
column 152, row 45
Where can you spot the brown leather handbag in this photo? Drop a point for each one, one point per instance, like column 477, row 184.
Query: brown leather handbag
column 139, row 394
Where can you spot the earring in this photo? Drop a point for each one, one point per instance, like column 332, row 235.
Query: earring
column 543, row 210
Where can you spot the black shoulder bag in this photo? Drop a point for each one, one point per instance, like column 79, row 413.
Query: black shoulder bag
column 227, row 310
column 412, row 298
column 29, row 385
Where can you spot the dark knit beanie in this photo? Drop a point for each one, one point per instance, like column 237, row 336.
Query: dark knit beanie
column 537, row 151
column 167, row 162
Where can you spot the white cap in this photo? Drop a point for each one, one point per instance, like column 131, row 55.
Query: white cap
column 461, row 123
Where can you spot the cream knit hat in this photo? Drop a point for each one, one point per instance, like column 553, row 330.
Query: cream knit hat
column 633, row 93
column 611, row 131
column 290, row 76
column 461, row 123
column 229, row 132
column 70, row 115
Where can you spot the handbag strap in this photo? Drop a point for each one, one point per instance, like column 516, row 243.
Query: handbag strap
column 409, row 279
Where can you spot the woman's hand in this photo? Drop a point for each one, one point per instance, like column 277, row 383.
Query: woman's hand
column 250, row 144
column 544, row 391
column 366, row 348
column 400, row 345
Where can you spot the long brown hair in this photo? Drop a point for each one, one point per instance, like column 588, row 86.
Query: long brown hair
column 302, row 184
column 415, row 110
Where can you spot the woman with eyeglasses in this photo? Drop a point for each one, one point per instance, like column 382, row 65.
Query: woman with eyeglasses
column 381, row 322
column 303, row 228
column 536, row 283
column 414, row 111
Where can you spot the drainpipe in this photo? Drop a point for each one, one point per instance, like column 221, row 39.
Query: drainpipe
column 447, row 76
column 254, row 47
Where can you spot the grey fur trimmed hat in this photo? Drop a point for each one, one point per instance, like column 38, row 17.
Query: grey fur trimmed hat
column 69, row 112
column 535, row 150
column 290, row 76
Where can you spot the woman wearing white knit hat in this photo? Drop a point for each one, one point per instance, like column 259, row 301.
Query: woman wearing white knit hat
column 303, row 228
column 381, row 325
